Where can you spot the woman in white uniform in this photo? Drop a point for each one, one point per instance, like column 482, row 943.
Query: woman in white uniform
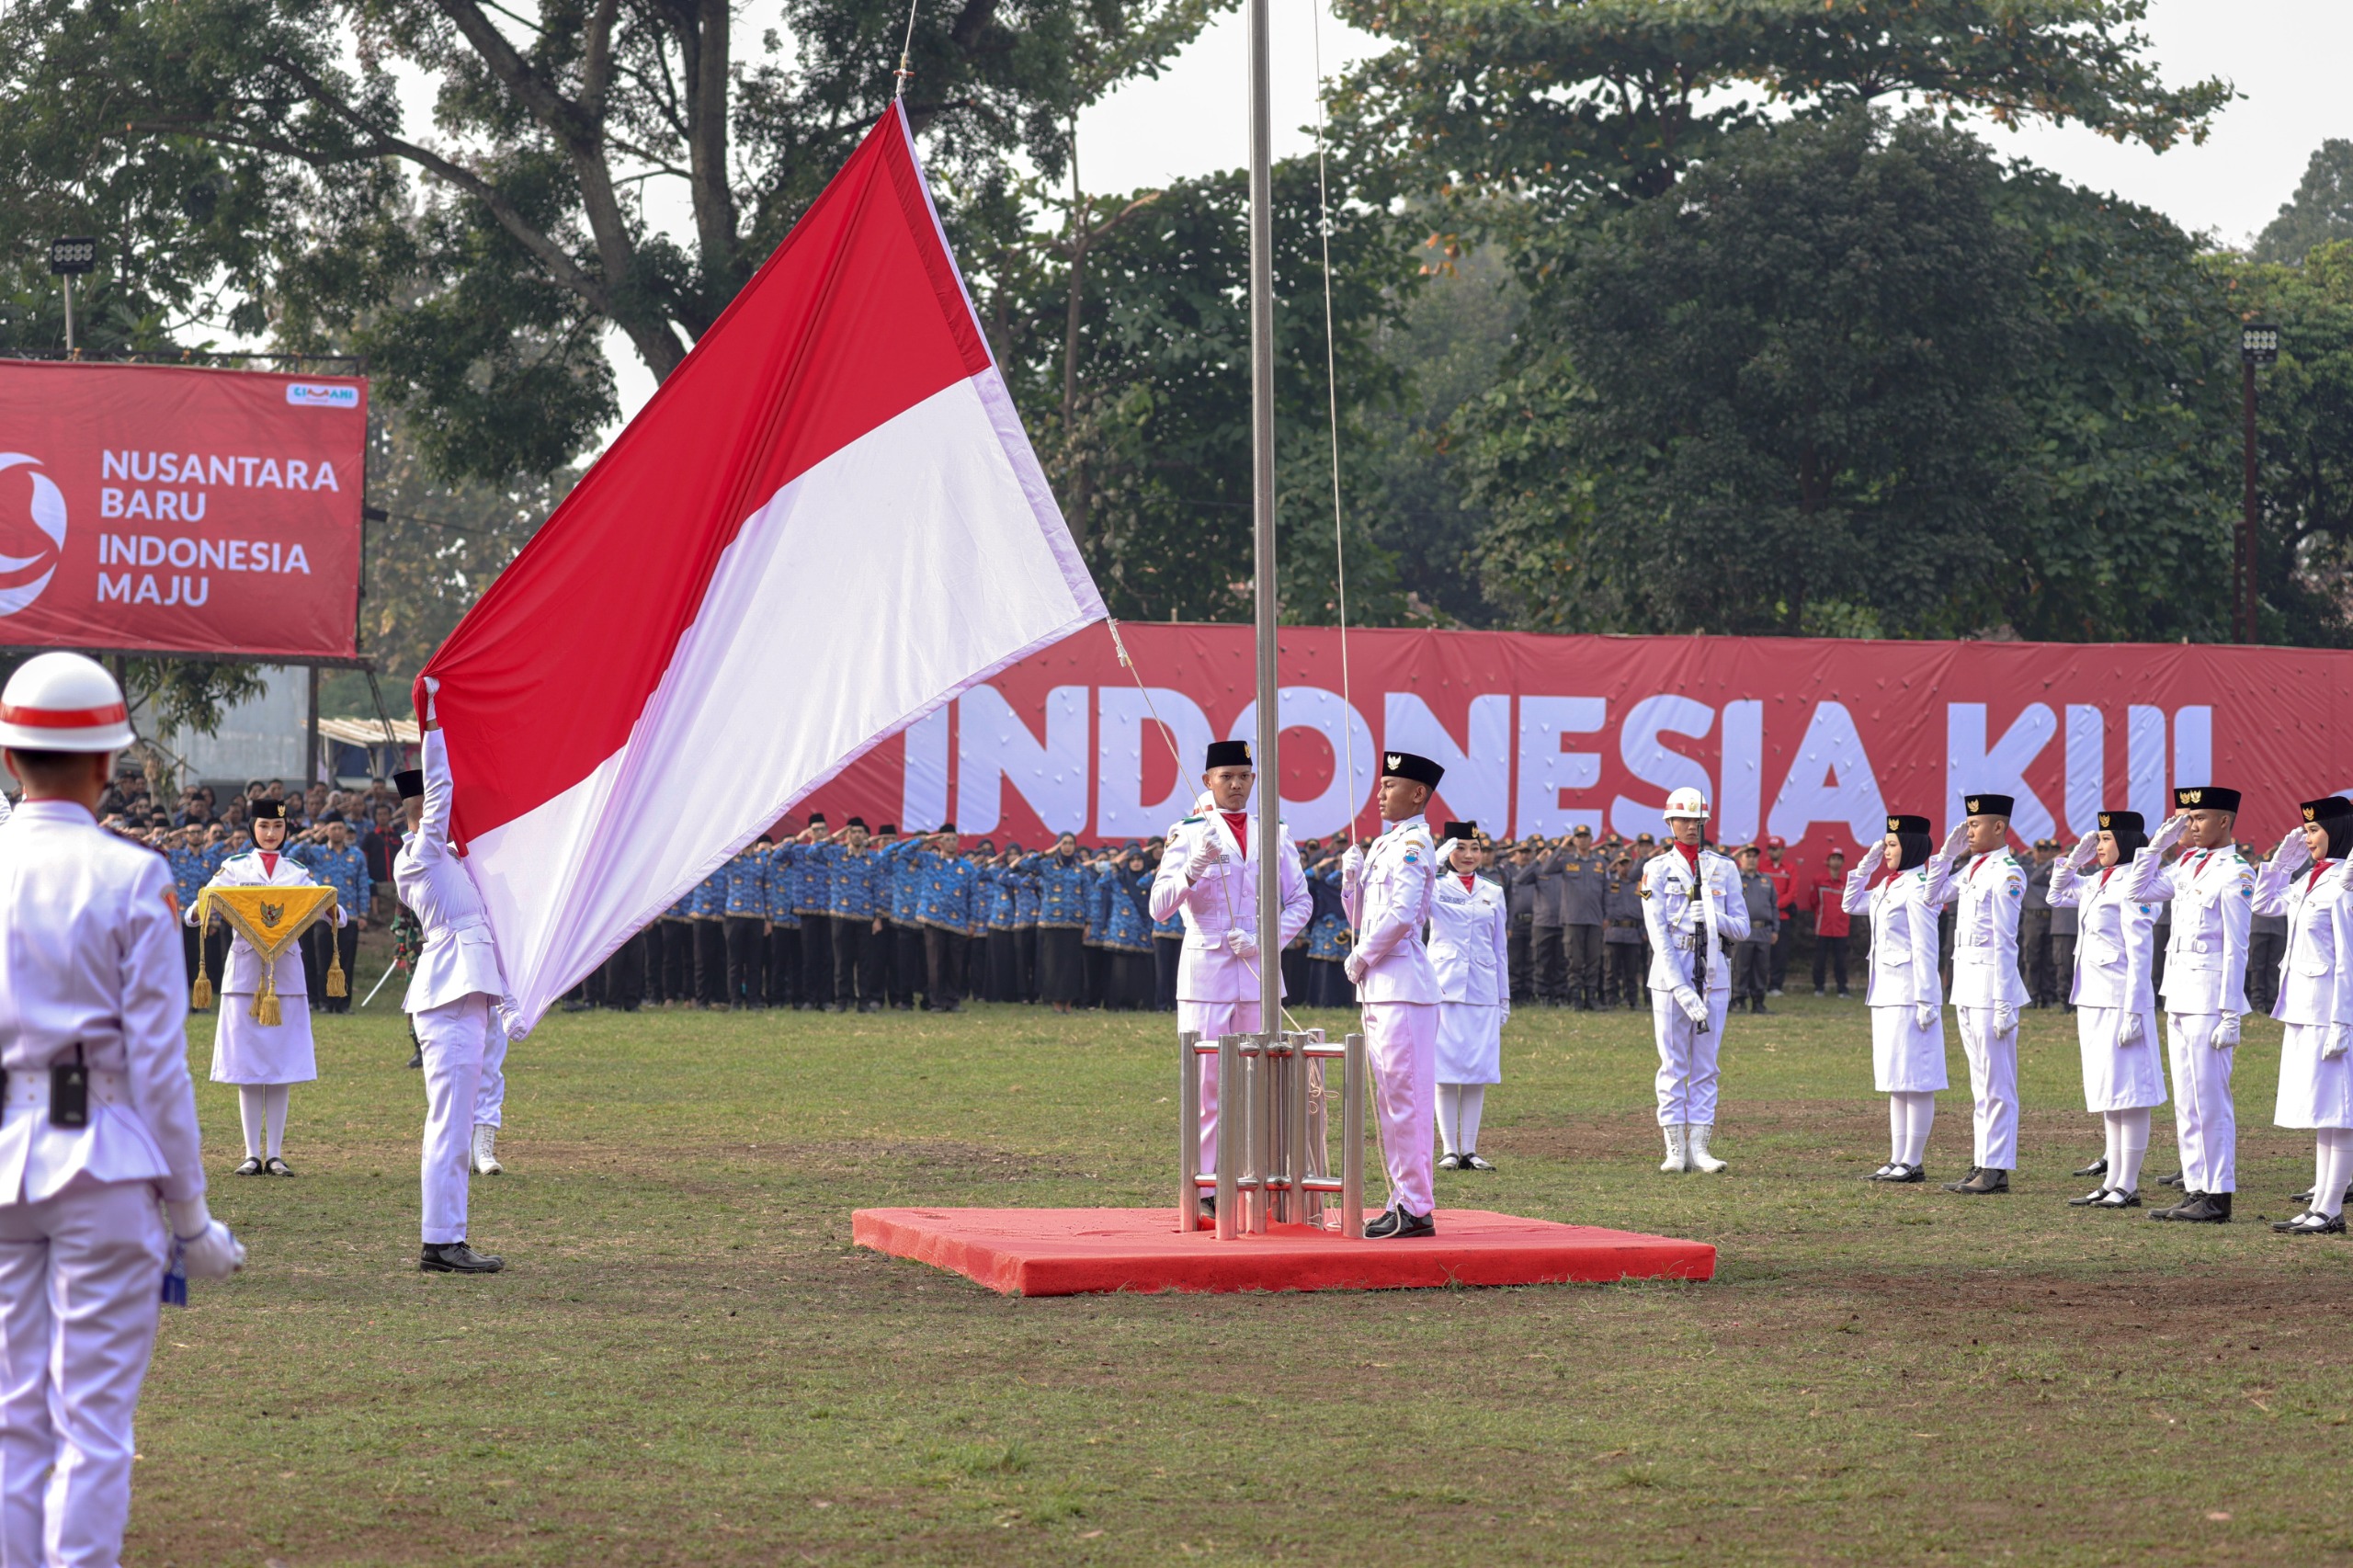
column 1467, row 951
column 2310, row 880
column 264, row 1060
column 1905, row 993
column 2115, row 998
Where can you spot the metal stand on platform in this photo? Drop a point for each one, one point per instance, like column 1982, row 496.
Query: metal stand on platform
column 1273, row 1165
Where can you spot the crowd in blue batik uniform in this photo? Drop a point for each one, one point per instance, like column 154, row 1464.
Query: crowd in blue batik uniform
column 842, row 918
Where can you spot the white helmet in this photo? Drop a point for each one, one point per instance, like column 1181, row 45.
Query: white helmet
column 63, row 702
column 1687, row 802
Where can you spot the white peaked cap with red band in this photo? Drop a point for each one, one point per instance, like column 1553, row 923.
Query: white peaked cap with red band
column 1687, row 802
column 63, row 702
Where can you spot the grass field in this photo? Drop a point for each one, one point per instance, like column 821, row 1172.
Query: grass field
column 687, row 1362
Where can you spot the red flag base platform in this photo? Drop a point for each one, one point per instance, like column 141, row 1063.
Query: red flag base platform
column 1069, row 1252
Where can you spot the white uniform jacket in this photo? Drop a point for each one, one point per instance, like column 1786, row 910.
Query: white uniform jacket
column 1905, row 911
column 1226, row 899
column 2115, row 938
column 1468, row 942
column 89, row 955
column 2212, row 894
column 2316, row 975
column 1990, row 893
column 242, row 974
column 1388, row 907
column 460, row 956
column 1679, row 921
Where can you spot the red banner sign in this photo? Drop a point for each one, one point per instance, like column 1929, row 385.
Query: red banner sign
column 179, row 510
column 1813, row 741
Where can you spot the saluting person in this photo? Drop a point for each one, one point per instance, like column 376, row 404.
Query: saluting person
column 1987, row 989
column 100, row 1121
column 1691, row 904
column 1387, row 891
column 2309, row 880
column 1904, row 992
column 2115, row 1001
column 1470, row 951
column 2212, row 890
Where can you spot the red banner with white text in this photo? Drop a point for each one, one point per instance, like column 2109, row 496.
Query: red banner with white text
column 170, row 508
column 1812, row 741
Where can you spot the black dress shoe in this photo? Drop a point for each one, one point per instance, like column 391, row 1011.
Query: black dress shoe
column 251, row 1167
column 2117, row 1198
column 1884, row 1171
column 2087, row 1199
column 2173, row 1181
column 1475, row 1162
column 2303, row 1196
column 2098, row 1167
column 1404, row 1226
column 1905, row 1176
column 1450, row 1162
column 456, row 1257
column 1382, row 1228
column 1957, row 1186
column 1981, row 1182
column 2200, row 1209
column 2312, row 1223
column 275, row 1166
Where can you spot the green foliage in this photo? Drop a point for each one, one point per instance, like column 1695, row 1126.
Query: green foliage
column 2320, row 211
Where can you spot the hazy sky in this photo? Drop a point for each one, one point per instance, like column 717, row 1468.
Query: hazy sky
column 2286, row 58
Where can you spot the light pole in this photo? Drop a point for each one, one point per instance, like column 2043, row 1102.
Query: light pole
column 2258, row 345
column 67, row 257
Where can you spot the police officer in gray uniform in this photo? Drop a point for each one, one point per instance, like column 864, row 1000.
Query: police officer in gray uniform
column 1584, row 896
column 1752, row 956
column 1549, row 946
column 2061, row 944
column 2034, row 927
column 1518, row 877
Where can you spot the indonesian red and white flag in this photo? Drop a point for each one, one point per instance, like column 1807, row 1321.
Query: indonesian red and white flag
column 826, row 523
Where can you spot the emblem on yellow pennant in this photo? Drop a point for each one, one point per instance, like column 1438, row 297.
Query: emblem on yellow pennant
column 269, row 918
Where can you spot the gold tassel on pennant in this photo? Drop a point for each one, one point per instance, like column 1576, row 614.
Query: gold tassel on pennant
column 266, row 1012
column 337, row 984
column 200, row 995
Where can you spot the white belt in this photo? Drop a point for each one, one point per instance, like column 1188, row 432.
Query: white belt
column 29, row 1087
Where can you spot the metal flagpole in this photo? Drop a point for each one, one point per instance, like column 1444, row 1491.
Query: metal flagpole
column 1267, row 752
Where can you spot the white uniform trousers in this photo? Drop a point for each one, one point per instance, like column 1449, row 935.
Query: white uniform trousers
column 1687, row 1058
column 455, row 1037
column 80, row 1278
column 1212, row 1020
column 1993, row 1086
column 490, row 1093
column 2205, row 1122
column 1400, row 1046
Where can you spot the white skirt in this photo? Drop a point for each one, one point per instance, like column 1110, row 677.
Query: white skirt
column 2313, row 1091
column 1905, row 1058
column 2116, row 1076
column 1470, row 1043
column 245, row 1052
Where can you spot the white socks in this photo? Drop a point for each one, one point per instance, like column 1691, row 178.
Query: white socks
column 2128, row 1144
column 2333, row 1167
column 1458, row 1107
column 1910, row 1114
column 262, row 1109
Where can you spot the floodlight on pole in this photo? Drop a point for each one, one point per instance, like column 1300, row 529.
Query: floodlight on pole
column 68, row 257
column 2258, row 345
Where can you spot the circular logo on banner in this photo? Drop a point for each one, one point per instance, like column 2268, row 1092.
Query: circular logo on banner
column 32, row 530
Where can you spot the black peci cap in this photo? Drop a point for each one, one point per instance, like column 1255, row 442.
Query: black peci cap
column 2328, row 808
column 410, row 782
column 1907, row 824
column 1227, row 754
column 268, row 811
column 1468, row 830
column 2127, row 822
column 2205, row 798
column 1990, row 805
column 889, row 829
column 1406, row 765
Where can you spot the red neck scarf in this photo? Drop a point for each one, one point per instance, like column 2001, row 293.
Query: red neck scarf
column 269, row 862
column 1690, row 853
column 2318, row 866
column 1468, row 877
column 1240, row 823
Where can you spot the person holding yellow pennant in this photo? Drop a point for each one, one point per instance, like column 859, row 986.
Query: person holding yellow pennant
column 262, row 1043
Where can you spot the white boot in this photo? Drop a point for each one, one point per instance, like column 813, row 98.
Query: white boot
column 1700, row 1159
column 486, row 1149
column 1675, row 1160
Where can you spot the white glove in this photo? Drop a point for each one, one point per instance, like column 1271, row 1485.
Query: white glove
column 1207, row 852
column 1352, row 864
column 207, row 1249
column 1243, row 944
column 1694, row 1008
column 2339, row 1036
column 2226, row 1033
column 1506, row 1013
column 2169, row 833
column 1354, row 968
column 2293, row 854
column 2085, row 852
column 1923, row 1015
column 2006, row 1017
column 1956, row 840
column 2130, row 1035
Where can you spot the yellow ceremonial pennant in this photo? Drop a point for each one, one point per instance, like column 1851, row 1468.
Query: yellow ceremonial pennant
column 269, row 918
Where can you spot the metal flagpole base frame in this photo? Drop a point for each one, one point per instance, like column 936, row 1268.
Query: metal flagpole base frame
column 1273, row 1161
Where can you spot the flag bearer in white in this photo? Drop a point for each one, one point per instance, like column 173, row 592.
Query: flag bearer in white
column 100, row 1120
column 2116, row 1006
column 2212, row 888
column 1905, row 997
column 2310, row 880
column 1469, row 951
column 1387, row 894
column 1987, row 990
column 265, row 1061
column 1208, row 873
column 456, row 1001
column 1692, row 901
